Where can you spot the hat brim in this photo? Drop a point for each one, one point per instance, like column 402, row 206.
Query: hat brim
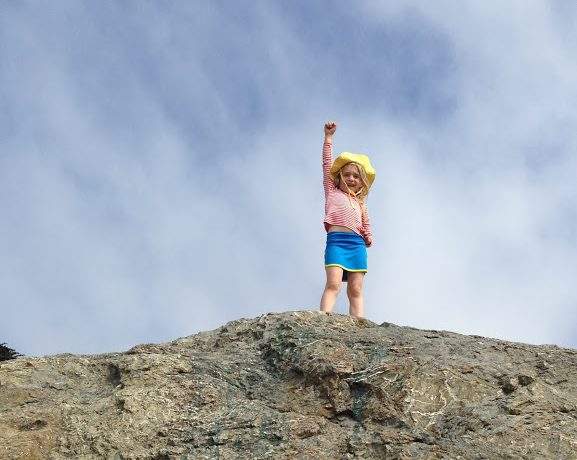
column 348, row 157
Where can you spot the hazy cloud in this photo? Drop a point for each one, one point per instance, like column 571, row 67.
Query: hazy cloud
column 160, row 165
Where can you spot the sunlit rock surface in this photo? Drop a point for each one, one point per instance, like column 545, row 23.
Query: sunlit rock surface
column 296, row 385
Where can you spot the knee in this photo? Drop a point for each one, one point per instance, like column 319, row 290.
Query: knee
column 333, row 286
column 355, row 289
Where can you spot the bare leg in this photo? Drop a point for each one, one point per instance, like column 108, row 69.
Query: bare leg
column 355, row 294
column 332, row 288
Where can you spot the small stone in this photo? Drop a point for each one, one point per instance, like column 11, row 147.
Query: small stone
column 513, row 410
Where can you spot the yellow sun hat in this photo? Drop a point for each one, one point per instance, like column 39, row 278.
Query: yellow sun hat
column 348, row 157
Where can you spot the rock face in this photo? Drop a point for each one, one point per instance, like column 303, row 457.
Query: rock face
column 296, row 385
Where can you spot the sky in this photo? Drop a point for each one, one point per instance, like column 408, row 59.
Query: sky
column 160, row 165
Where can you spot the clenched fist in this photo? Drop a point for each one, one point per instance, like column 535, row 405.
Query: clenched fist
column 330, row 128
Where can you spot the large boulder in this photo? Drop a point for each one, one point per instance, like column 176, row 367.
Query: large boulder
column 296, row 385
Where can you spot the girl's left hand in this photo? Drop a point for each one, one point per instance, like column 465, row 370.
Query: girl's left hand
column 330, row 128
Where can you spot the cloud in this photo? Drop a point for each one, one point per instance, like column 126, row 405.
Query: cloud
column 160, row 166
column 489, row 197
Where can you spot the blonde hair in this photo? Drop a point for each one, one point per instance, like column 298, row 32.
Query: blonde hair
column 363, row 192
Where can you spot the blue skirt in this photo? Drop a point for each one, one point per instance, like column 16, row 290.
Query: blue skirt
column 346, row 250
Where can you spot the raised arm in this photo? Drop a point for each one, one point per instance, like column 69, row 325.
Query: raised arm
column 328, row 184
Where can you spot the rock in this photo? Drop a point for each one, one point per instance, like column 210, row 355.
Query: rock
column 295, row 385
column 509, row 385
column 525, row 380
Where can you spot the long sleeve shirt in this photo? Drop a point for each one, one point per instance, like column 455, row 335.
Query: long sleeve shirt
column 341, row 208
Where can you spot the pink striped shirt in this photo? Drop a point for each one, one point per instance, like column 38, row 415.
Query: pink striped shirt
column 340, row 208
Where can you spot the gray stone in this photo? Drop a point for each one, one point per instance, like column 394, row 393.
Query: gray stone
column 304, row 385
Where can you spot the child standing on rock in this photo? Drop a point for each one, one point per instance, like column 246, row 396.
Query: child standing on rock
column 346, row 182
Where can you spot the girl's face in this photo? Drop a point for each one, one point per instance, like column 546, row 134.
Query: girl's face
column 351, row 177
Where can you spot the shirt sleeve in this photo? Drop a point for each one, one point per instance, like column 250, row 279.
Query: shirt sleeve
column 367, row 233
column 327, row 160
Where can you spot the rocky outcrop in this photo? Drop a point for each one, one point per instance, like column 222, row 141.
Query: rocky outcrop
column 296, row 385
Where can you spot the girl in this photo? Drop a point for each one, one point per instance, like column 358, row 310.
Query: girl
column 346, row 182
